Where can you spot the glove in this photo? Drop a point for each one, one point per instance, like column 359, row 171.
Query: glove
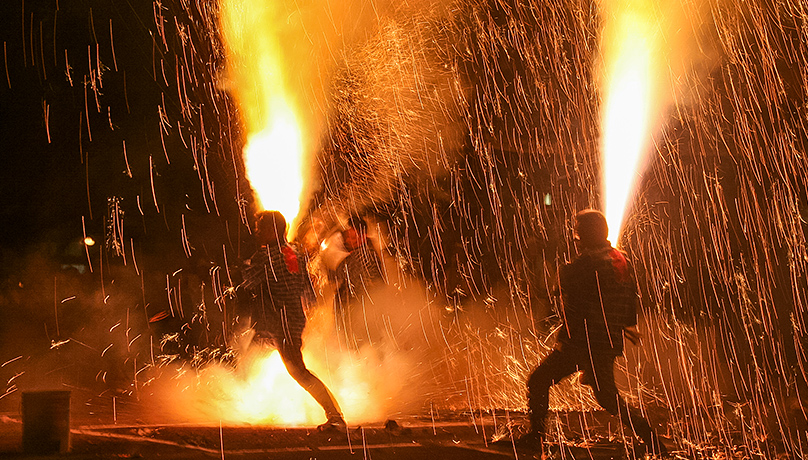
column 633, row 335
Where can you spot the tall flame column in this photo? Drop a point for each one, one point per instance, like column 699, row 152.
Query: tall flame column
column 629, row 59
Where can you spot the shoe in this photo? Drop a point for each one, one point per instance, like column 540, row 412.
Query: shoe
column 392, row 427
column 334, row 423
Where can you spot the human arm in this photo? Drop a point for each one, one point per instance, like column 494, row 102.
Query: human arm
column 631, row 332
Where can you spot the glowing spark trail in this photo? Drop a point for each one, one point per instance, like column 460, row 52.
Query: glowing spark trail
column 465, row 129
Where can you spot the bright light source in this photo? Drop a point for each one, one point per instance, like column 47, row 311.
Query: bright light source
column 273, row 159
column 253, row 31
column 627, row 110
column 89, row 241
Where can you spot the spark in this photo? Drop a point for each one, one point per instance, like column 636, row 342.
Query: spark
column 11, row 361
column 451, row 127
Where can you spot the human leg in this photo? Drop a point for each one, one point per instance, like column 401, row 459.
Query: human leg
column 293, row 360
column 609, row 398
column 343, row 319
column 550, row 371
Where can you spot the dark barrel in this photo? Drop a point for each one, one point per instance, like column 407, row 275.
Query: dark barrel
column 46, row 422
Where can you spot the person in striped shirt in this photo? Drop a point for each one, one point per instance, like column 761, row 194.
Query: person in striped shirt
column 358, row 280
column 275, row 280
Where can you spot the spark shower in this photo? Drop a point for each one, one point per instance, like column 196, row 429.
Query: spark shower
column 470, row 132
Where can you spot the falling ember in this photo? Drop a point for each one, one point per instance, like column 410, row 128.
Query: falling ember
column 274, row 152
column 628, row 104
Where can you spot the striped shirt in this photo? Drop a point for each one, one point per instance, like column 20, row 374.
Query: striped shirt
column 358, row 272
column 599, row 293
column 274, row 278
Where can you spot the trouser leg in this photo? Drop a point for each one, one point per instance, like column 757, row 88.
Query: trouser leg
column 293, row 360
column 550, row 371
column 633, row 417
column 609, row 398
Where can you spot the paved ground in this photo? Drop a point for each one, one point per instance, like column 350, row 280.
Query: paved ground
column 192, row 442
column 102, row 428
column 408, row 440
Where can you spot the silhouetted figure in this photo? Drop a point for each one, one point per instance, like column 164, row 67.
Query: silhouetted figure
column 357, row 278
column 600, row 300
column 362, row 268
column 274, row 280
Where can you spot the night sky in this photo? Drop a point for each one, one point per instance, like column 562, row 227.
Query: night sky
column 107, row 149
column 75, row 139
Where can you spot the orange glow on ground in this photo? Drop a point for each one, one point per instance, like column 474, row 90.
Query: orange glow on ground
column 629, row 60
column 268, row 395
column 259, row 391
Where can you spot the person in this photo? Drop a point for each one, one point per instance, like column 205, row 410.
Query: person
column 599, row 308
column 274, row 281
column 358, row 277
column 362, row 267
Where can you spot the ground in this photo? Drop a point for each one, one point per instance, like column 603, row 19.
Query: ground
column 458, row 437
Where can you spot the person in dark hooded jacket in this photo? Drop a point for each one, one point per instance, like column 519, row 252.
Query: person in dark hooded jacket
column 600, row 301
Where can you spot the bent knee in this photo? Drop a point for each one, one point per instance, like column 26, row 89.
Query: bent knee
column 299, row 372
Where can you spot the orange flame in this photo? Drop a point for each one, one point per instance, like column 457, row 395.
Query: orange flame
column 629, row 52
column 261, row 391
column 259, row 36
column 265, row 393
column 274, row 152
column 269, row 395
column 273, row 159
